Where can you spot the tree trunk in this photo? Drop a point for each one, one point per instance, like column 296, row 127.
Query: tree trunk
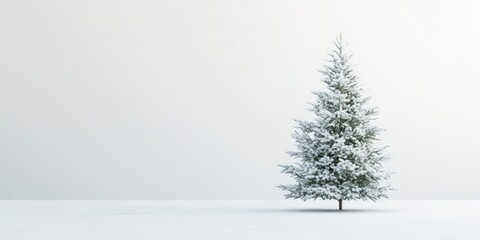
column 340, row 204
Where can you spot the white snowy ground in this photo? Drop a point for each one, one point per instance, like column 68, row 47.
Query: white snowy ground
column 225, row 220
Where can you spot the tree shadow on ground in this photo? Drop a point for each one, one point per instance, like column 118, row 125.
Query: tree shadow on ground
column 322, row 210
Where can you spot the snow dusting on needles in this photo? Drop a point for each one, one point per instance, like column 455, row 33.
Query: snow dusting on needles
column 338, row 155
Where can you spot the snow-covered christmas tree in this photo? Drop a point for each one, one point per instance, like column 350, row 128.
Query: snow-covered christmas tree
column 338, row 152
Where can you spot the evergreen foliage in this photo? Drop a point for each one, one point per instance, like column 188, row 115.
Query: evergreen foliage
column 337, row 150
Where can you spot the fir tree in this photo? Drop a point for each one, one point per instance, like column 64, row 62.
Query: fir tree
column 339, row 159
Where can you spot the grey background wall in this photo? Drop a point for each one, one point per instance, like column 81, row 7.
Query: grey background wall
column 195, row 99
